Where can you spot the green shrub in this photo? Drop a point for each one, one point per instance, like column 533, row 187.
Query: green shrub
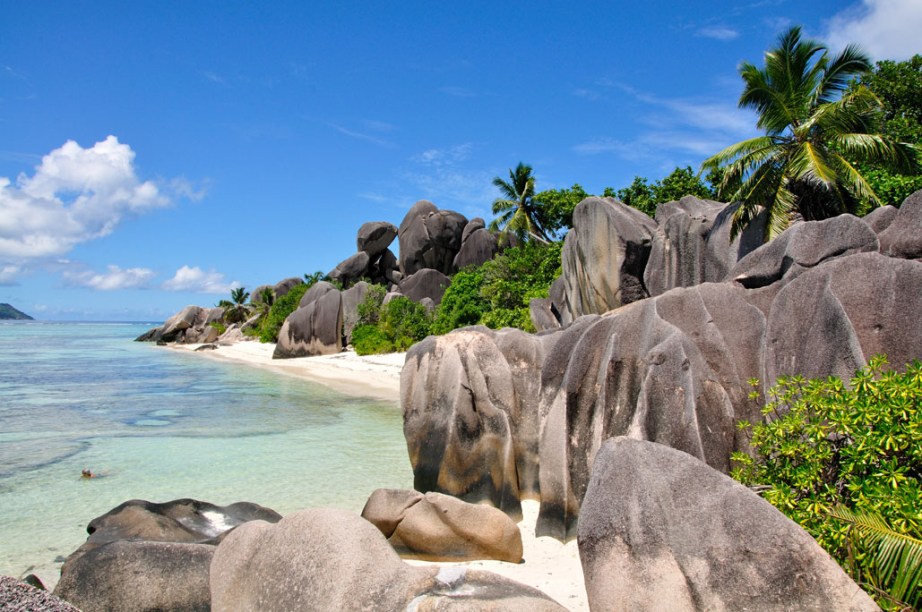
column 269, row 327
column 369, row 310
column 221, row 327
column 369, row 340
column 461, row 305
column 511, row 280
column 826, row 446
column 404, row 322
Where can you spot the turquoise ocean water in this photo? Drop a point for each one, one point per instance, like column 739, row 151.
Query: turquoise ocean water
column 161, row 424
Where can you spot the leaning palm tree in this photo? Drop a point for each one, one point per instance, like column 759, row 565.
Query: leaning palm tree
column 236, row 310
column 517, row 208
column 816, row 131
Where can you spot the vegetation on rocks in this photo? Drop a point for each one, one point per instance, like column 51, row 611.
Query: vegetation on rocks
column 851, row 450
column 268, row 328
column 385, row 328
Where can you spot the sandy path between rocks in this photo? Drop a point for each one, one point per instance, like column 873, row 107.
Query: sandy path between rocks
column 550, row 566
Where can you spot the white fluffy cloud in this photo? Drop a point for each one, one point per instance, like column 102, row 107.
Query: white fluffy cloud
column 113, row 278
column 887, row 29
column 75, row 195
column 197, row 280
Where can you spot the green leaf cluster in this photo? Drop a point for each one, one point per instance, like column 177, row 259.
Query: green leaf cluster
column 498, row 293
column 400, row 324
column 645, row 196
column 825, row 444
column 268, row 329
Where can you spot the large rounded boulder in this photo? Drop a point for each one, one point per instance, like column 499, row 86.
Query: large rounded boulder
column 660, row 530
column 429, row 238
column 374, row 237
column 325, row 559
column 313, row 329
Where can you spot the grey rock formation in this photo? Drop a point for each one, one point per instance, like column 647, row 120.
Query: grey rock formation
column 831, row 319
column 282, row 287
column 477, row 245
column 903, row 237
column 672, row 369
column 147, row 556
column 437, row 527
column 313, row 329
column 135, row 576
column 604, row 256
column 352, row 269
column 543, row 317
column 325, row 559
column 425, row 283
column 659, row 530
column 880, row 219
column 429, row 238
column 191, row 325
column 801, row 247
column 470, row 403
column 374, row 237
column 389, row 268
column 352, row 297
column 316, row 291
column 692, row 244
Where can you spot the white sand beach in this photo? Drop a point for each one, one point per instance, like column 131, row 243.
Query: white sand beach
column 549, row 565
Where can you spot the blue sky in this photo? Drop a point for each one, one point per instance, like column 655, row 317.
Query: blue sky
column 157, row 154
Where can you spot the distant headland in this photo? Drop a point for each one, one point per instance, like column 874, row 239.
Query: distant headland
column 7, row 312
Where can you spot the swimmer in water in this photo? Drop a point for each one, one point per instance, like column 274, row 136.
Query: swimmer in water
column 86, row 474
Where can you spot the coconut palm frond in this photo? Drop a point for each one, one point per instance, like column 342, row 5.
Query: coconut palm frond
column 897, row 556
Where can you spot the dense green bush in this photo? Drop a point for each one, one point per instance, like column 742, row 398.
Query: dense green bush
column 268, row 329
column 394, row 326
column 826, row 445
column 511, row 280
column 369, row 340
column 461, row 305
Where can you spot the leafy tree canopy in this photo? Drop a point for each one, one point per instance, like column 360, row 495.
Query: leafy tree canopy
column 517, row 209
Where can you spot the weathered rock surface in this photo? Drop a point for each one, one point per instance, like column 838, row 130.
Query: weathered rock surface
column 903, row 236
column 604, row 256
column 314, row 329
column 429, row 238
column 437, row 527
column 352, row 297
column 316, row 291
column 831, row 319
column 351, row 269
column 425, row 283
column 147, row 556
column 659, row 530
column 541, row 312
column 374, row 237
column 188, row 326
column 470, row 403
column 282, row 287
column 16, row 595
column 692, row 244
column 880, row 219
column 325, row 559
column 672, row 369
column 478, row 245
column 136, row 576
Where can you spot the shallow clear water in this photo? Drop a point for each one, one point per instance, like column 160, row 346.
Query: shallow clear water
column 159, row 424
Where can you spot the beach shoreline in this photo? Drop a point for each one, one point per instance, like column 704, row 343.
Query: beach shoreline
column 549, row 565
column 372, row 376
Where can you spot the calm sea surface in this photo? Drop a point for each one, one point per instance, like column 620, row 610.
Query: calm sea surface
column 161, row 424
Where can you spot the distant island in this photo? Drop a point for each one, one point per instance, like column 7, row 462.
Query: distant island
column 7, row 312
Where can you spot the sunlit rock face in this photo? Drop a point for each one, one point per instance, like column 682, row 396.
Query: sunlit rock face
column 430, row 238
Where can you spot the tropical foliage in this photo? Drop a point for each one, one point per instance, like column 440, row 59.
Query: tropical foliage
column 517, row 208
column 816, row 130
column 645, row 197
column 827, row 445
column 235, row 309
column 400, row 324
column 269, row 326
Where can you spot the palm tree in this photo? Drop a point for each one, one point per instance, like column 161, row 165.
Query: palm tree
column 816, row 131
column 235, row 310
column 517, row 209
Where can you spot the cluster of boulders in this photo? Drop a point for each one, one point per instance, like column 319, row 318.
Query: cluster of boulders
column 433, row 245
column 500, row 415
column 192, row 555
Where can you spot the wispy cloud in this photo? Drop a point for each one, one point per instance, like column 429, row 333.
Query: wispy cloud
column 887, row 29
column 194, row 279
column 689, row 128
column 458, row 92
column 112, row 279
column 718, row 33
column 214, row 77
column 363, row 136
